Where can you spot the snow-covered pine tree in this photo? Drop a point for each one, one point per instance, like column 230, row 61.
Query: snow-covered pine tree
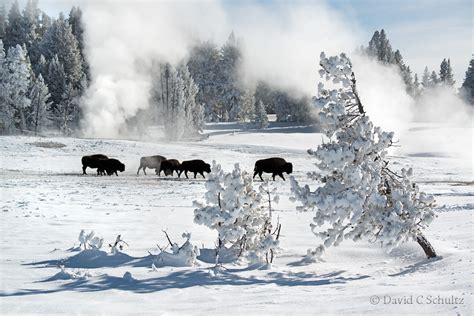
column 467, row 88
column 434, row 80
column 238, row 212
column 30, row 24
column 193, row 111
column 229, row 83
column 38, row 116
column 59, row 40
column 247, row 107
column 18, row 81
column 66, row 114
column 7, row 125
column 261, row 117
column 3, row 22
column 204, row 66
column 360, row 197
column 426, row 80
column 56, row 80
column 416, row 87
column 446, row 77
column 13, row 30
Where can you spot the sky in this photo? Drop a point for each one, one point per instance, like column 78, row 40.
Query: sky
column 425, row 31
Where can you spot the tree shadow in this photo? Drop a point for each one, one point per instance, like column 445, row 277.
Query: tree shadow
column 416, row 267
column 190, row 278
column 91, row 259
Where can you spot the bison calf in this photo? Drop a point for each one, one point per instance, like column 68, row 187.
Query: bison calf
column 111, row 166
column 275, row 166
column 195, row 166
column 92, row 162
column 169, row 166
column 152, row 162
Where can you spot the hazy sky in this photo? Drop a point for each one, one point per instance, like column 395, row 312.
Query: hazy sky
column 425, row 31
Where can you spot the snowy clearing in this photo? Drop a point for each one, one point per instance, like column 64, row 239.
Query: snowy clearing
column 46, row 202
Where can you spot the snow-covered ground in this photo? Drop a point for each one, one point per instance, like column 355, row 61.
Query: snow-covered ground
column 46, row 201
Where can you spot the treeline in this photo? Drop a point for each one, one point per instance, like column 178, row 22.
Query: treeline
column 381, row 49
column 43, row 72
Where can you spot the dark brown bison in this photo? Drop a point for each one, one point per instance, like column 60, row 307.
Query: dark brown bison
column 111, row 166
column 152, row 162
column 92, row 161
column 275, row 166
column 195, row 166
column 169, row 166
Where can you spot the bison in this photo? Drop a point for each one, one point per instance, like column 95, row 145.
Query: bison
column 275, row 166
column 195, row 166
column 152, row 162
column 169, row 166
column 93, row 161
column 111, row 166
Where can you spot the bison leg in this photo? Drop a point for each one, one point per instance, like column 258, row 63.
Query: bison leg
column 195, row 174
column 281, row 175
column 116, row 173
column 158, row 172
column 144, row 167
column 186, row 174
column 254, row 174
column 260, row 175
column 138, row 171
column 84, row 169
column 202, row 174
column 273, row 176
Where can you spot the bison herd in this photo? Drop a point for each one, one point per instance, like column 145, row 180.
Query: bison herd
column 105, row 165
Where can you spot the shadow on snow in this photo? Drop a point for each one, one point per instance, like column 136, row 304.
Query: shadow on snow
column 187, row 279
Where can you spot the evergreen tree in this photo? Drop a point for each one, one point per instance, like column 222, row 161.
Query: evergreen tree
column 192, row 110
column 77, row 28
column 38, row 117
column 7, row 125
column 56, row 80
column 3, row 22
column 14, row 29
column 66, row 114
column 247, row 107
column 18, row 81
column 229, row 84
column 416, row 87
column 467, row 88
column 60, row 41
column 357, row 195
column 261, row 117
column 379, row 47
column 434, row 81
column 44, row 25
column 426, row 80
column 204, row 66
column 446, row 73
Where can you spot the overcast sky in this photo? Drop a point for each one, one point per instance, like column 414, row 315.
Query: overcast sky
column 425, row 31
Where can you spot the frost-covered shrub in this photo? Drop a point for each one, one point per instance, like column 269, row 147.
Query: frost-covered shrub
column 90, row 241
column 180, row 256
column 360, row 196
column 238, row 212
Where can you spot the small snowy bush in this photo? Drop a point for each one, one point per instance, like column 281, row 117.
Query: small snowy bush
column 90, row 241
column 180, row 256
column 238, row 212
column 360, row 196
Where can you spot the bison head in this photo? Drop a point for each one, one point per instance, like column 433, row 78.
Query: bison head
column 288, row 167
column 121, row 167
column 207, row 168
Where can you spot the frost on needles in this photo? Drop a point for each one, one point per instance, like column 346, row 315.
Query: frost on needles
column 359, row 196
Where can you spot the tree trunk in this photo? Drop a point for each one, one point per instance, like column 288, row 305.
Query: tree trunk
column 425, row 244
